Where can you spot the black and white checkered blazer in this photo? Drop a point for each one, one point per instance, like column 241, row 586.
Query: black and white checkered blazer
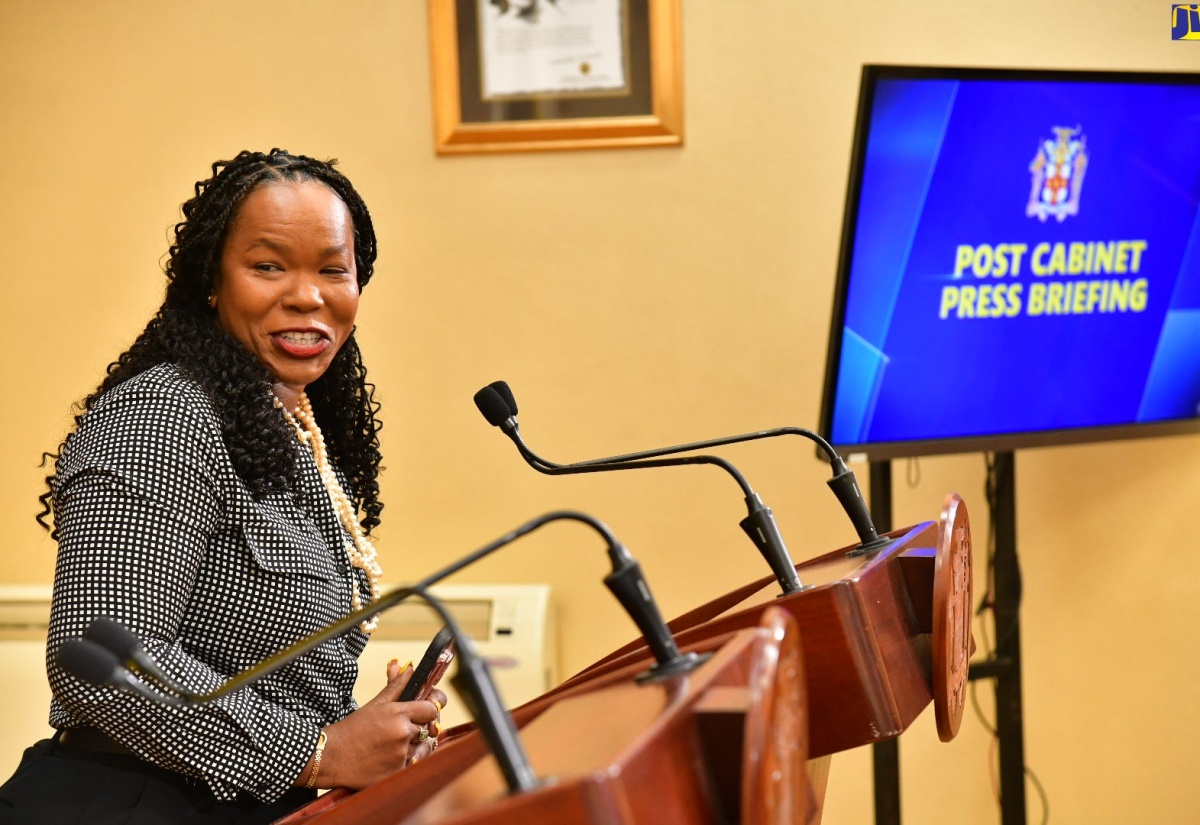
column 157, row 531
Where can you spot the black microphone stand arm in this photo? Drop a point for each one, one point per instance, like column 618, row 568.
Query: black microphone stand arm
column 105, row 657
column 843, row 483
column 476, row 686
column 759, row 523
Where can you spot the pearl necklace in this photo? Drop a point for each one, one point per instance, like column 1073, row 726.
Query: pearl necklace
column 359, row 550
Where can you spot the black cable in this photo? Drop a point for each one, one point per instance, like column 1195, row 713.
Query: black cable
column 1037, row 783
column 912, row 472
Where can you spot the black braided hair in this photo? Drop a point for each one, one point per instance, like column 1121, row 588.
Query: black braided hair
column 185, row 332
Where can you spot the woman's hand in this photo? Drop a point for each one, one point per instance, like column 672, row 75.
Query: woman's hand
column 379, row 738
column 427, row 742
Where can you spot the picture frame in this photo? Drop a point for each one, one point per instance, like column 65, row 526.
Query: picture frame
column 533, row 75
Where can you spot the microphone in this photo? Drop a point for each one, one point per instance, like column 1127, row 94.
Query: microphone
column 625, row 582
column 502, row 410
column 127, row 651
column 498, row 406
column 97, row 665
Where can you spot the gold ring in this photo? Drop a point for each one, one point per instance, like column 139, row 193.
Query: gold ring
column 422, row 735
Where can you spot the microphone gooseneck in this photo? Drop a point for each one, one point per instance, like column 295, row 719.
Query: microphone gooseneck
column 498, row 406
column 627, row 583
column 100, row 658
column 475, row 684
column 90, row 660
column 843, row 483
column 845, row 487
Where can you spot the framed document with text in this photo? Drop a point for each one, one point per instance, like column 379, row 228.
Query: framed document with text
column 524, row 75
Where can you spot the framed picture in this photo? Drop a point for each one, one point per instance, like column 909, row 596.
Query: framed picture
column 526, row 75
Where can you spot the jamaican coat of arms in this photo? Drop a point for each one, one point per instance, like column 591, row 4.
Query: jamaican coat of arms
column 1057, row 170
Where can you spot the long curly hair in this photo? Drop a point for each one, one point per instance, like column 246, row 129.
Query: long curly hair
column 185, row 332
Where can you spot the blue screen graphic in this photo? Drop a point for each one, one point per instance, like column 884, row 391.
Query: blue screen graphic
column 1025, row 258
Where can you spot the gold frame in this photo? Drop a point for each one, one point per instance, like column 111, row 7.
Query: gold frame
column 662, row 126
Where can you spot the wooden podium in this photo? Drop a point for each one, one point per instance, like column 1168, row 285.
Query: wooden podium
column 885, row 632
column 851, row 659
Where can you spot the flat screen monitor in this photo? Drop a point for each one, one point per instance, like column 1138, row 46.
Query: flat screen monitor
column 1020, row 262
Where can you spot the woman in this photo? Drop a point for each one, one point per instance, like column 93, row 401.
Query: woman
column 199, row 503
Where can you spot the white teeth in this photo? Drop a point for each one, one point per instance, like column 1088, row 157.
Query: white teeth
column 304, row 339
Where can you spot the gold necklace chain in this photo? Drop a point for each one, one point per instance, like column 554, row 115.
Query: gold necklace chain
column 359, row 550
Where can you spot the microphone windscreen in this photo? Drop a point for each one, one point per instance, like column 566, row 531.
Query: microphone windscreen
column 504, row 392
column 88, row 661
column 113, row 636
column 493, row 407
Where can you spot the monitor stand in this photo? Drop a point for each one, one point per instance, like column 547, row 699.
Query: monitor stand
column 1004, row 666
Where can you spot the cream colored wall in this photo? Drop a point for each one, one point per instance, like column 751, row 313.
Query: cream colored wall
column 631, row 298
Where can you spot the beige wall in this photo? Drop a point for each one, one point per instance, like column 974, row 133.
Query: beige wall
column 631, row 298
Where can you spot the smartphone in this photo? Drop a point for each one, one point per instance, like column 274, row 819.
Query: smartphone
column 432, row 666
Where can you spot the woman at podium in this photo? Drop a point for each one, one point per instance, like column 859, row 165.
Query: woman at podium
column 217, row 497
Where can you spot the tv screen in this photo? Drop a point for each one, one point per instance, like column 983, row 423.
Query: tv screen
column 1020, row 262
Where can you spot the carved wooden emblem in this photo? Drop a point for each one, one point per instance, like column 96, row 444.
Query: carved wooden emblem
column 952, row 588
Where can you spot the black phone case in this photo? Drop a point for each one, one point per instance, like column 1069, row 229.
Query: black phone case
column 425, row 668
